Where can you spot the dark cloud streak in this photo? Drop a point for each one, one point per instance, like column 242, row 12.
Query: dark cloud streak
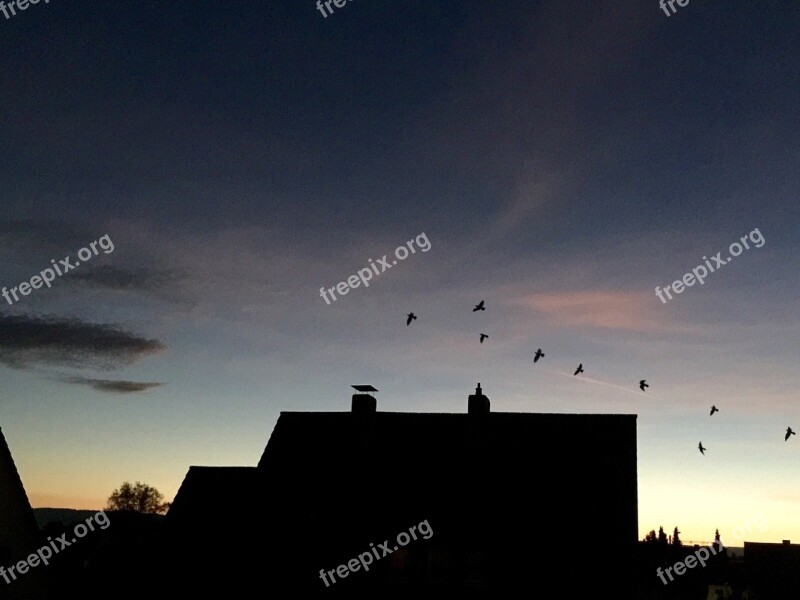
column 139, row 279
column 111, row 386
column 27, row 340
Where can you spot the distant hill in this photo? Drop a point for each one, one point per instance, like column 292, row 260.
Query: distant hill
column 66, row 516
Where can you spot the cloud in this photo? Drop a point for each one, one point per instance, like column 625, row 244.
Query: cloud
column 626, row 311
column 50, row 238
column 26, row 340
column 584, row 379
column 135, row 279
column 538, row 188
column 107, row 385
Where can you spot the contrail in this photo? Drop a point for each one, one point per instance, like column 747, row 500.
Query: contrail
column 598, row 381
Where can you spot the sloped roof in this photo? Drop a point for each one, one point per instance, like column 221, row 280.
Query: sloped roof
column 342, row 463
column 17, row 522
column 523, row 486
column 348, row 466
column 206, row 491
column 301, row 439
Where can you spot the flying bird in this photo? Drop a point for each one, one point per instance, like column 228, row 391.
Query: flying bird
column 411, row 317
column 479, row 306
column 713, row 410
column 579, row 369
column 539, row 354
column 788, row 433
column 483, row 337
column 643, row 384
column 702, row 450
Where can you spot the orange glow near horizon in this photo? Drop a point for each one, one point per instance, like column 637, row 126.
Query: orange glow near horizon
column 61, row 501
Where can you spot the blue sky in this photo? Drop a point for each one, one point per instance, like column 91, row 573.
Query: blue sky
column 562, row 158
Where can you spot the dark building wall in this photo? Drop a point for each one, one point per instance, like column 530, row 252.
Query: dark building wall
column 519, row 498
column 773, row 570
column 517, row 503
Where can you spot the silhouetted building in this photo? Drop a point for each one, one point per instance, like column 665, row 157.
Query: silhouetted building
column 773, row 570
column 658, row 578
column 208, row 493
column 516, row 503
column 18, row 533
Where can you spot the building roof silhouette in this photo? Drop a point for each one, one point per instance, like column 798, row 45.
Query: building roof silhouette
column 18, row 529
column 496, row 488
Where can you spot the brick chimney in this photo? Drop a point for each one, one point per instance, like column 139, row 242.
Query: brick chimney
column 478, row 403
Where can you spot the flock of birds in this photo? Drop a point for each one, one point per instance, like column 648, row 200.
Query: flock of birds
column 643, row 385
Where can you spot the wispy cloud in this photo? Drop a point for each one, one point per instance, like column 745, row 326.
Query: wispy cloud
column 592, row 380
column 602, row 309
column 27, row 340
column 129, row 279
column 56, row 238
column 538, row 187
column 118, row 387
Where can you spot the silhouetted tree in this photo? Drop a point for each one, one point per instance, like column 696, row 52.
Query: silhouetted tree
column 138, row 498
column 650, row 538
column 676, row 541
column 717, row 541
column 662, row 537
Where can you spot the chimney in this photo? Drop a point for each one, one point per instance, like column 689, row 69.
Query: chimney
column 478, row 403
column 363, row 402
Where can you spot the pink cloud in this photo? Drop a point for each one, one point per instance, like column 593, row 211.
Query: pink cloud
column 608, row 310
